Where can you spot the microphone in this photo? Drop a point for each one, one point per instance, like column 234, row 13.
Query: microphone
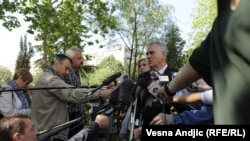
column 106, row 82
column 126, row 91
column 121, row 96
column 111, row 78
column 45, row 134
column 153, row 88
column 140, row 84
column 155, row 85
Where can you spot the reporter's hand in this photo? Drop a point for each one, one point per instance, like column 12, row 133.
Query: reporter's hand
column 105, row 93
column 137, row 133
column 162, row 119
column 102, row 121
column 163, row 95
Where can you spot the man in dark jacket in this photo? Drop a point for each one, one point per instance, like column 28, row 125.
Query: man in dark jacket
column 156, row 56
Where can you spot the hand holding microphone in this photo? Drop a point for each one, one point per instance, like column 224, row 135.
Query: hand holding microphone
column 162, row 119
column 162, row 94
column 107, row 81
column 105, row 93
column 158, row 90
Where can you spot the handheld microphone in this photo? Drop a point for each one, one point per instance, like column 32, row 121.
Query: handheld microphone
column 155, row 85
column 111, row 78
column 140, row 84
column 126, row 91
column 106, row 82
column 157, row 81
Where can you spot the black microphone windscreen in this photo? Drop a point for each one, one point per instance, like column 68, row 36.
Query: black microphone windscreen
column 141, row 82
column 113, row 98
column 126, row 91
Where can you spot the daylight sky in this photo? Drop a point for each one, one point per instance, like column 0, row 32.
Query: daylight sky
column 10, row 39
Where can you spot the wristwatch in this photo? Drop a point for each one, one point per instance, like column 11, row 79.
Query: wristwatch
column 167, row 90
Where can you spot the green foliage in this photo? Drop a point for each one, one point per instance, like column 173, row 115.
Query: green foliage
column 139, row 21
column 107, row 67
column 25, row 54
column 61, row 25
column 111, row 63
column 7, row 14
column 5, row 75
column 206, row 12
column 175, row 44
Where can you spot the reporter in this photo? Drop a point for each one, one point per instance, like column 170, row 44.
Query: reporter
column 73, row 78
column 89, row 133
column 205, row 97
column 201, row 93
column 201, row 115
column 14, row 102
column 49, row 106
column 17, row 127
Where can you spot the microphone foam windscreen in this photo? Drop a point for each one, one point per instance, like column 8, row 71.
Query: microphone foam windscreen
column 141, row 82
column 126, row 91
column 113, row 98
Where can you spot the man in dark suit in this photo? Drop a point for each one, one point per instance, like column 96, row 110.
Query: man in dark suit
column 156, row 56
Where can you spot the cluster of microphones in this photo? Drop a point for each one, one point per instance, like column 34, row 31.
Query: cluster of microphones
column 121, row 97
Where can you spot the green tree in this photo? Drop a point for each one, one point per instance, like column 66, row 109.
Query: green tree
column 203, row 18
column 5, row 74
column 107, row 67
column 175, row 44
column 139, row 22
column 60, row 25
column 8, row 9
column 25, row 54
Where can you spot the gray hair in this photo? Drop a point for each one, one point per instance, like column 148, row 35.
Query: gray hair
column 72, row 51
column 60, row 58
column 160, row 45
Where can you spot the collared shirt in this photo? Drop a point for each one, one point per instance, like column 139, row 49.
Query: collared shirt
column 162, row 70
column 73, row 78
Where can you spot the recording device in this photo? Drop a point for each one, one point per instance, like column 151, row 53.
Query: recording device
column 153, row 87
column 111, row 78
column 106, row 82
column 140, row 84
column 121, row 96
column 123, row 92
column 156, row 84
column 158, row 81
